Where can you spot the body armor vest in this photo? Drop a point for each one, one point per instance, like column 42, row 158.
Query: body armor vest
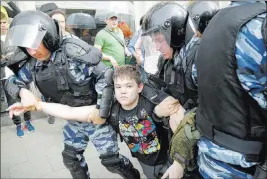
column 227, row 114
column 57, row 84
column 176, row 74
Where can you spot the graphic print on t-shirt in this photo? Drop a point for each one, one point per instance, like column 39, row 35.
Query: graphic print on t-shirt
column 140, row 134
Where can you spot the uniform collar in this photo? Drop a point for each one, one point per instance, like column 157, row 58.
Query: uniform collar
column 52, row 58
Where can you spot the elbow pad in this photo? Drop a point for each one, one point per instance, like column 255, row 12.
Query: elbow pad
column 107, row 95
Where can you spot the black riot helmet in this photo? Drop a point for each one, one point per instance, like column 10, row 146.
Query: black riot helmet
column 202, row 12
column 81, row 25
column 29, row 28
column 171, row 20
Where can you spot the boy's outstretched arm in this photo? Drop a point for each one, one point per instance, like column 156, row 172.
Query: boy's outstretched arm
column 82, row 114
column 67, row 112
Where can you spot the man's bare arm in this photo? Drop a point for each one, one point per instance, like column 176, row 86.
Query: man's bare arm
column 107, row 57
column 104, row 56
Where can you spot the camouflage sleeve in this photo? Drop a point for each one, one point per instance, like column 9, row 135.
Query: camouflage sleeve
column 99, row 71
column 184, row 142
column 15, row 83
column 192, row 42
column 194, row 74
column 83, row 71
column 251, row 60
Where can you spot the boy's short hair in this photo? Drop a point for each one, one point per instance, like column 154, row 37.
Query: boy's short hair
column 127, row 71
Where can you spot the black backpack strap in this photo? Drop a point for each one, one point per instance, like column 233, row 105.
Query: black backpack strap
column 113, row 120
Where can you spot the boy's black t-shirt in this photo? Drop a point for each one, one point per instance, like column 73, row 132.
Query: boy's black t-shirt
column 146, row 139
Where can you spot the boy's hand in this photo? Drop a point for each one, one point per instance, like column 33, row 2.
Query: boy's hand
column 167, row 107
column 95, row 118
column 174, row 171
column 16, row 109
column 176, row 118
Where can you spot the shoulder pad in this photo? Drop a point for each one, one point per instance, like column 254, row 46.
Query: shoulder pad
column 15, row 55
column 151, row 94
column 31, row 64
column 76, row 49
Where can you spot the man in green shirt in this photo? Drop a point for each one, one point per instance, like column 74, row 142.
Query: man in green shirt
column 110, row 41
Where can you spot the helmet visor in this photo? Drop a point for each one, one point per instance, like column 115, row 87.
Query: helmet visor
column 28, row 36
column 156, row 41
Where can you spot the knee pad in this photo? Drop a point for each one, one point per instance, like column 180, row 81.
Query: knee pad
column 110, row 160
column 72, row 159
column 121, row 165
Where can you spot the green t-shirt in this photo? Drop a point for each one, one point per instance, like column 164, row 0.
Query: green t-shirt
column 111, row 46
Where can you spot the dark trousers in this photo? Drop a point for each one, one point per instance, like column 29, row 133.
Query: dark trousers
column 17, row 119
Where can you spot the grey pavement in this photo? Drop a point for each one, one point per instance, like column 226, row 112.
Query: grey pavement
column 38, row 154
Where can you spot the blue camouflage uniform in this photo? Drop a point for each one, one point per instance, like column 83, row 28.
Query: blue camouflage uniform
column 185, row 49
column 214, row 160
column 77, row 134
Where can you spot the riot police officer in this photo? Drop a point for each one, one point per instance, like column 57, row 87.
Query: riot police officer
column 232, row 109
column 171, row 33
column 168, row 33
column 69, row 72
column 173, row 38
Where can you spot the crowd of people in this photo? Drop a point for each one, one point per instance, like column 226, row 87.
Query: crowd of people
column 187, row 92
